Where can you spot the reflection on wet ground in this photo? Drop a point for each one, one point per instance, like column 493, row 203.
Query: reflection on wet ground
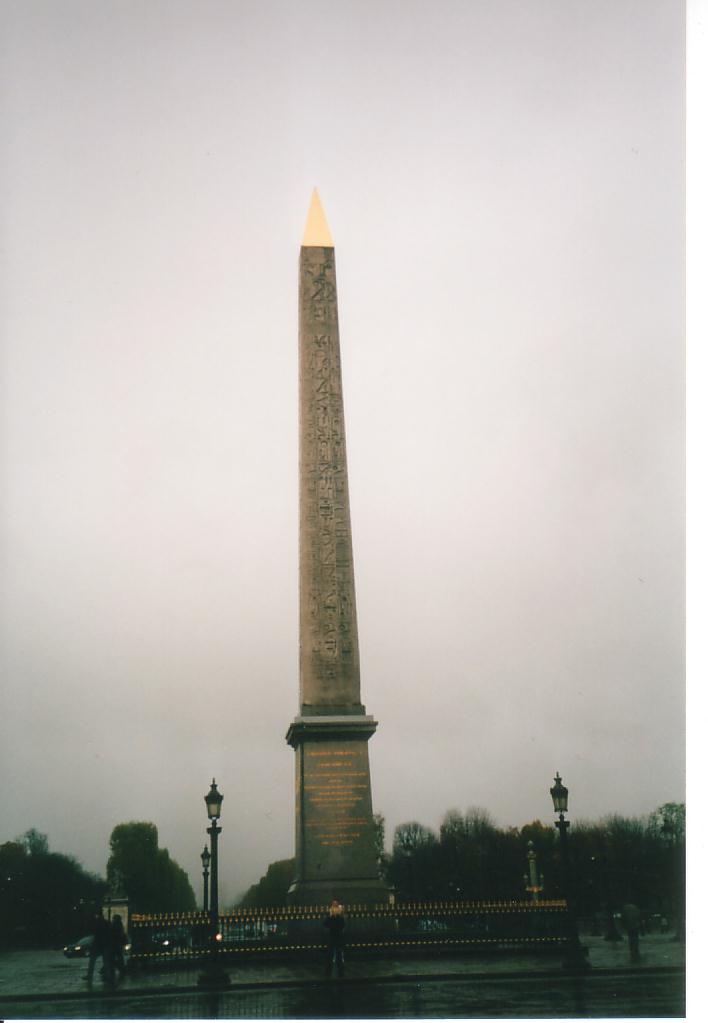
column 595, row 995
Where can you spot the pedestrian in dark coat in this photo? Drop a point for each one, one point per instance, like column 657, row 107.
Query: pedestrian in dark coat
column 118, row 940
column 631, row 920
column 100, row 945
column 335, row 923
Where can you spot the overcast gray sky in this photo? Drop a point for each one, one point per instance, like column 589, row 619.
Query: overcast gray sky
column 504, row 185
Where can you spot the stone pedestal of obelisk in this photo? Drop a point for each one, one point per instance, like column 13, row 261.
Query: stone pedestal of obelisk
column 335, row 854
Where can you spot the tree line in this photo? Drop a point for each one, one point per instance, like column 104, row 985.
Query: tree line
column 48, row 898
column 45, row 897
column 612, row 861
column 147, row 875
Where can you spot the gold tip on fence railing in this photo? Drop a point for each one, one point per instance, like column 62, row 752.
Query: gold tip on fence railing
column 378, row 910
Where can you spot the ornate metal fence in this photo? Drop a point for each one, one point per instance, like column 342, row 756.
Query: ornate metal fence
column 432, row 926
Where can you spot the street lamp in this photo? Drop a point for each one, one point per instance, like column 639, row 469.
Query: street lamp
column 408, row 860
column 206, row 856
column 213, row 800
column 609, row 888
column 559, row 795
column 214, row 975
column 576, row 956
column 594, row 892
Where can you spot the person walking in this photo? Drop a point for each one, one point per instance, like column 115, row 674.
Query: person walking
column 631, row 920
column 118, row 940
column 100, row 945
column 335, row 923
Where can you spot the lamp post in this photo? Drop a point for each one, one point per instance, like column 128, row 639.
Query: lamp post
column 575, row 958
column 206, row 856
column 214, row 975
column 609, row 888
column 408, row 860
column 595, row 932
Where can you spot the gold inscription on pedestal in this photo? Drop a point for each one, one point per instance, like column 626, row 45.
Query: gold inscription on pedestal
column 336, row 789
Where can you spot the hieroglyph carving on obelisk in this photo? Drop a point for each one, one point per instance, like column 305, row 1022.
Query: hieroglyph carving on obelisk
column 329, row 647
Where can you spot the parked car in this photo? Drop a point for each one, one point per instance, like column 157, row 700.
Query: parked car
column 178, row 938
column 82, row 947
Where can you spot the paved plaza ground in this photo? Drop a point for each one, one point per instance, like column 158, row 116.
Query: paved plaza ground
column 46, row 985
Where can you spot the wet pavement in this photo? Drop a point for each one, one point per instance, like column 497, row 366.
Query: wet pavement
column 46, row 985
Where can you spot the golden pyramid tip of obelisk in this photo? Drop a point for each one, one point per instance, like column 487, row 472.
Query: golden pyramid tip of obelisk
column 317, row 229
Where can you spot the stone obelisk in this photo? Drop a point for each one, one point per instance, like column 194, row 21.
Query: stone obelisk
column 335, row 854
